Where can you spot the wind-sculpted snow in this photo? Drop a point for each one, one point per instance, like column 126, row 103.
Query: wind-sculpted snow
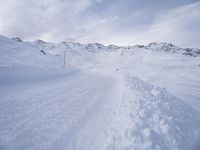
column 149, row 118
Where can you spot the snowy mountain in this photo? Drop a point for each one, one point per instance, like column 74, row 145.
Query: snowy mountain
column 96, row 47
column 69, row 95
column 168, row 47
column 16, row 52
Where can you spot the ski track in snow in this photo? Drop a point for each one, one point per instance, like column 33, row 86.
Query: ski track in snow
column 56, row 115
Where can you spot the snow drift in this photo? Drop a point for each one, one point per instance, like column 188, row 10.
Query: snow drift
column 148, row 118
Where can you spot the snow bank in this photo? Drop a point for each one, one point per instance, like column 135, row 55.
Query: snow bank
column 149, row 118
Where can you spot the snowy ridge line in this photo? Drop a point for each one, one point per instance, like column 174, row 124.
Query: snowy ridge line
column 97, row 47
column 149, row 118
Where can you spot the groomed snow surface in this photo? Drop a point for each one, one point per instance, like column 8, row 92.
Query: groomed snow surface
column 107, row 99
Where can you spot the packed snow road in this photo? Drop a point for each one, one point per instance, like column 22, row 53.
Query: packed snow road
column 60, row 113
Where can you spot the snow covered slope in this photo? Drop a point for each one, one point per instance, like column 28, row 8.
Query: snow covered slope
column 22, row 63
column 106, row 97
column 178, row 73
column 18, row 53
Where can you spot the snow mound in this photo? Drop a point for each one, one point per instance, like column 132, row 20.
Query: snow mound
column 149, row 118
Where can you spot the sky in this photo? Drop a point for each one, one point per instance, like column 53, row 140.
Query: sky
column 120, row 22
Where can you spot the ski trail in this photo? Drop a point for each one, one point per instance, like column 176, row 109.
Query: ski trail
column 89, row 131
column 65, row 114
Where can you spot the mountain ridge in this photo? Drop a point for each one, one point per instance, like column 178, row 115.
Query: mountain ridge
column 157, row 46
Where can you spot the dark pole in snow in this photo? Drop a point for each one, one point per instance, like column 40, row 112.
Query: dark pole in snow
column 64, row 59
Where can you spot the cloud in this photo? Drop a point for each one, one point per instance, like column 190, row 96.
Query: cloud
column 119, row 22
column 35, row 18
column 179, row 26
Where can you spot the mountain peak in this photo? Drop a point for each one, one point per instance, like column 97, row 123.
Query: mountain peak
column 39, row 42
column 17, row 39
